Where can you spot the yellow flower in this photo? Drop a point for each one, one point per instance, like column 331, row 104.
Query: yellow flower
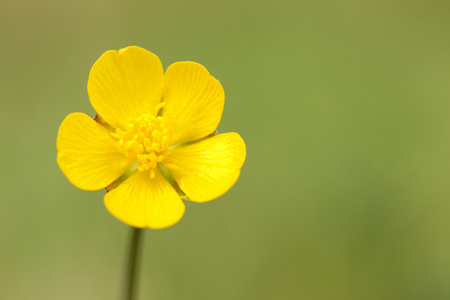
column 152, row 141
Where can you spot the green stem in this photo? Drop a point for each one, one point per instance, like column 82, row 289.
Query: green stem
column 131, row 271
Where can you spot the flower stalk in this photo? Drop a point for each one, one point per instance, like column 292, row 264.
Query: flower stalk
column 132, row 268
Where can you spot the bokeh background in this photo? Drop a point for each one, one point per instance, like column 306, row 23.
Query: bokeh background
column 345, row 110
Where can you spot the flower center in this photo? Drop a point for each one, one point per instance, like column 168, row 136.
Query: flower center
column 147, row 139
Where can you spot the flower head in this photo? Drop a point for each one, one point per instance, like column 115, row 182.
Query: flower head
column 152, row 141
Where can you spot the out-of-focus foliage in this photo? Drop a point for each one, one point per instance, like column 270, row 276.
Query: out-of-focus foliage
column 344, row 107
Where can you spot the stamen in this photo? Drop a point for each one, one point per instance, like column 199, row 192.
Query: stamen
column 146, row 140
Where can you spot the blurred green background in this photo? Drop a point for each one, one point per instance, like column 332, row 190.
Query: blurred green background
column 344, row 107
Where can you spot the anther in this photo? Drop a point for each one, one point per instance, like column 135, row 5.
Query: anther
column 146, row 141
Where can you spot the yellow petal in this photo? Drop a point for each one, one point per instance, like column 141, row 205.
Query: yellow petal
column 125, row 83
column 142, row 201
column 207, row 169
column 85, row 153
column 194, row 98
